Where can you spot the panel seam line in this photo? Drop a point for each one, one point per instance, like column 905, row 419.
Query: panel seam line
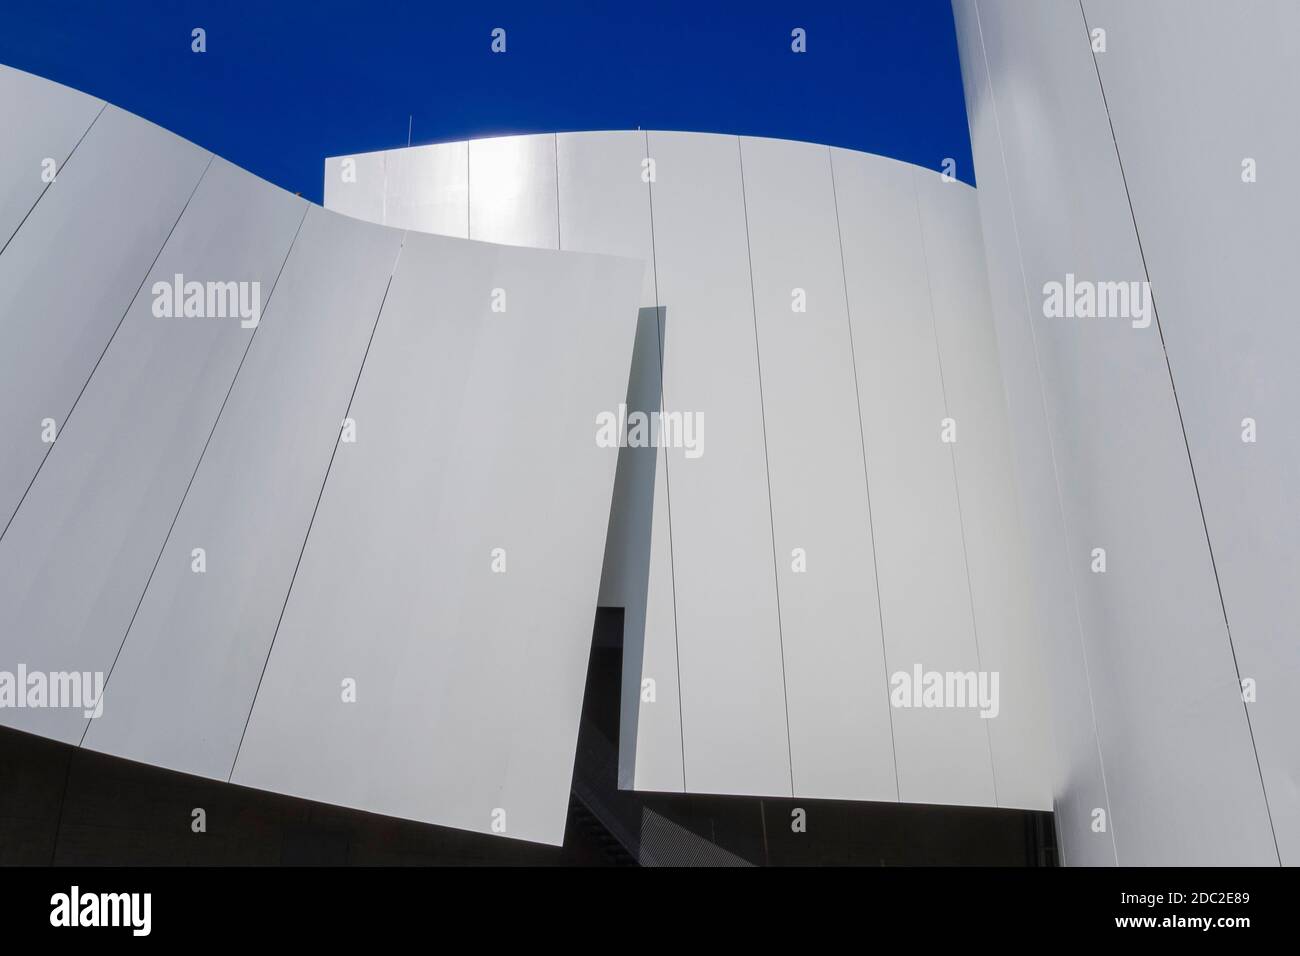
column 57, row 172
column 668, row 496
column 197, row 465
column 1187, row 447
column 866, row 476
column 952, row 458
column 107, row 345
column 767, row 466
column 315, row 509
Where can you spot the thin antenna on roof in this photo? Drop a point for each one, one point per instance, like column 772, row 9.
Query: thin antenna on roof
column 410, row 119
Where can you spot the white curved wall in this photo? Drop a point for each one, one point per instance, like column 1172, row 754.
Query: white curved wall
column 326, row 560
column 1126, row 165
column 1122, row 164
column 822, row 433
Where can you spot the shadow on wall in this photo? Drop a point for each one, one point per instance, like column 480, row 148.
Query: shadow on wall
column 673, row 829
column 66, row 806
column 626, row 574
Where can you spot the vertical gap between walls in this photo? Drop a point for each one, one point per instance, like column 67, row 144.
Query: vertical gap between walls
column 1051, row 444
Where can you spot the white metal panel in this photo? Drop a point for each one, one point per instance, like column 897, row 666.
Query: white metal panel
column 604, row 206
column 942, row 753
column 1192, row 94
column 840, row 736
column 1079, row 784
column 183, row 685
column 112, row 211
column 604, row 198
column 110, row 507
column 728, row 631
column 650, row 730
column 598, row 182
column 512, row 191
column 1172, row 730
column 76, row 559
column 427, row 188
column 42, row 121
column 996, row 549
column 357, row 185
column 482, row 672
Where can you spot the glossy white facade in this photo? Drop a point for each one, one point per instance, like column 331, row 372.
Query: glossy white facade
column 333, row 552
column 1130, row 163
column 827, row 536
column 825, row 318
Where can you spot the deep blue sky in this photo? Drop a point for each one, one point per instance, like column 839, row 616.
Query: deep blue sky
column 286, row 83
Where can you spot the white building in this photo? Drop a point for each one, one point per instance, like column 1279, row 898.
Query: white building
column 973, row 497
